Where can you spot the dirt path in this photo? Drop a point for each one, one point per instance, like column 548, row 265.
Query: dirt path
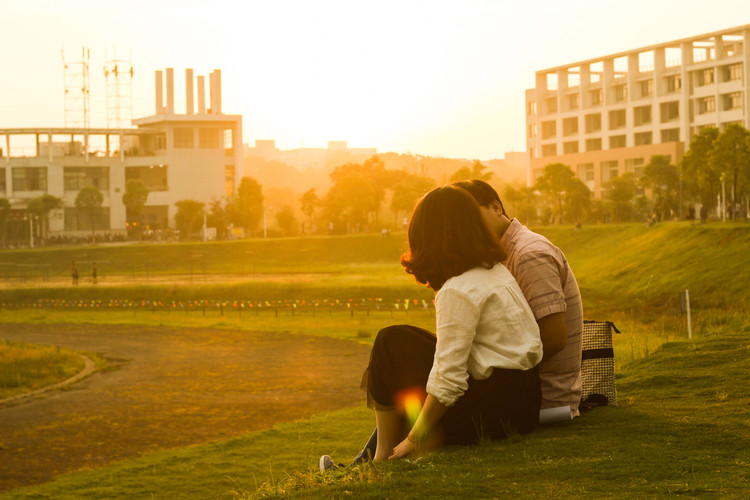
column 169, row 388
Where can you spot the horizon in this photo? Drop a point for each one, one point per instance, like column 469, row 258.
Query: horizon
column 446, row 80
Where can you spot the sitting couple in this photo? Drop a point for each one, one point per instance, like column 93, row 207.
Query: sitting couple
column 508, row 338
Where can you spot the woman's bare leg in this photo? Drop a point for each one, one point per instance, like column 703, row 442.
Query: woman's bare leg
column 390, row 432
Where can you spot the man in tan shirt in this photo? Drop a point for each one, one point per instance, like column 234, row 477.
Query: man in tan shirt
column 550, row 288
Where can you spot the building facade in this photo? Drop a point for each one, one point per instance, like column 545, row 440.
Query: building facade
column 607, row 116
column 195, row 155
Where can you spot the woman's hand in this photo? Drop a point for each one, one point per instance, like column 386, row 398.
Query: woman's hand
column 403, row 449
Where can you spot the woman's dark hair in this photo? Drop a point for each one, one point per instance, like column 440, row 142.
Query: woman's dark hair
column 447, row 237
column 483, row 193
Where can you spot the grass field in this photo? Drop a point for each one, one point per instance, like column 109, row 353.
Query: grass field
column 681, row 427
column 24, row 368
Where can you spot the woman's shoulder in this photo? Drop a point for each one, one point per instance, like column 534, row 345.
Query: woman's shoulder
column 479, row 279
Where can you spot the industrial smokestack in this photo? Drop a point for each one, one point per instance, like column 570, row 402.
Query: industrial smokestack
column 216, row 92
column 189, row 91
column 158, row 86
column 170, row 91
column 201, row 95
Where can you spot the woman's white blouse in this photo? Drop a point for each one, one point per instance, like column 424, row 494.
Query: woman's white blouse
column 483, row 321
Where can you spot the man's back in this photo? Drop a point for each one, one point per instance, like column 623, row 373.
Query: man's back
column 548, row 283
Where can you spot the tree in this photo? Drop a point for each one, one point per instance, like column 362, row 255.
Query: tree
column 730, row 155
column 247, row 209
column 309, row 202
column 556, row 181
column 407, row 189
column 4, row 213
column 286, row 221
column 577, row 200
column 189, row 217
column 619, row 194
column 134, row 199
column 477, row 171
column 218, row 217
column 89, row 200
column 521, row 202
column 701, row 176
column 41, row 206
column 662, row 177
column 357, row 192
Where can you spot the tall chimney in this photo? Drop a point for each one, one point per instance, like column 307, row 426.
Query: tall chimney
column 216, row 92
column 189, row 91
column 201, row 95
column 159, row 93
column 170, row 91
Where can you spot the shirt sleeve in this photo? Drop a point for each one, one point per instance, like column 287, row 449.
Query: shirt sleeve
column 457, row 318
column 540, row 276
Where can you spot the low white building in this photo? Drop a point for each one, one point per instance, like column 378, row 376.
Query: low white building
column 195, row 155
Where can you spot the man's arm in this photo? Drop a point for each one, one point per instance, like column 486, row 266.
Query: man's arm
column 554, row 334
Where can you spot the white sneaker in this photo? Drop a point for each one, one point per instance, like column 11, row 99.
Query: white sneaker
column 326, row 463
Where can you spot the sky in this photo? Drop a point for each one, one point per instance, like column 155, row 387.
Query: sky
column 437, row 78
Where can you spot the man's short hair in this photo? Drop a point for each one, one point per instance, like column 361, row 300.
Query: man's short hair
column 483, row 193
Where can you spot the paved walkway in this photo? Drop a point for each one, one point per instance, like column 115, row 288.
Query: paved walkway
column 165, row 388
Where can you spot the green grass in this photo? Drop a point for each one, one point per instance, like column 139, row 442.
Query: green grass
column 24, row 367
column 681, row 429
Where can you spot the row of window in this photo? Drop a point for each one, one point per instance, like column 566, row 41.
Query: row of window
column 730, row 101
column 645, row 88
column 615, row 141
column 76, row 178
column 609, row 169
column 208, row 138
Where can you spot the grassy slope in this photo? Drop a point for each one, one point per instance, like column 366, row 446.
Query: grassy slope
column 681, row 427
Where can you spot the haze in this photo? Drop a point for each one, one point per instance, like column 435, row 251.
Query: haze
column 439, row 78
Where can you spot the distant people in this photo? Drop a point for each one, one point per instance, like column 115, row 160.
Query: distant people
column 691, row 213
column 94, row 274
column 704, row 213
column 74, row 275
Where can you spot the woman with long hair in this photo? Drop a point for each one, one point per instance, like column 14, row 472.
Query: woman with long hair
column 476, row 378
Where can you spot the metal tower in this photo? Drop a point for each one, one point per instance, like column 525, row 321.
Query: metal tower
column 119, row 76
column 77, row 86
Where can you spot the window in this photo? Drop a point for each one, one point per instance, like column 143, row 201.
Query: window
column 585, row 172
column 609, row 170
column 183, row 138
column 3, row 187
column 229, row 180
column 647, row 88
column 674, row 83
column 593, row 122
column 29, row 178
column 732, row 101
column 532, row 130
column 641, row 115
column 81, row 220
column 549, row 150
column 229, row 141
column 617, row 141
column 596, row 97
column 593, row 144
column 153, row 176
column 670, row 135
column 208, row 138
column 617, row 119
column 77, row 178
column 635, row 165
column 706, row 105
column 732, row 72
column 570, row 126
column 705, row 77
column 551, row 104
column 621, row 92
column 549, row 129
column 643, row 138
column 532, row 107
column 573, row 101
column 669, row 111
column 570, row 147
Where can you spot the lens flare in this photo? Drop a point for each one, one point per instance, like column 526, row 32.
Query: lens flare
column 410, row 401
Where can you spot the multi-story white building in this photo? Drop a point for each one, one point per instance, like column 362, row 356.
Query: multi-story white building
column 196, row 155
column 607, row 116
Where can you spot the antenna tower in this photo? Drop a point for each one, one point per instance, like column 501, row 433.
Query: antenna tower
column 119, row 76
column 77, row 87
